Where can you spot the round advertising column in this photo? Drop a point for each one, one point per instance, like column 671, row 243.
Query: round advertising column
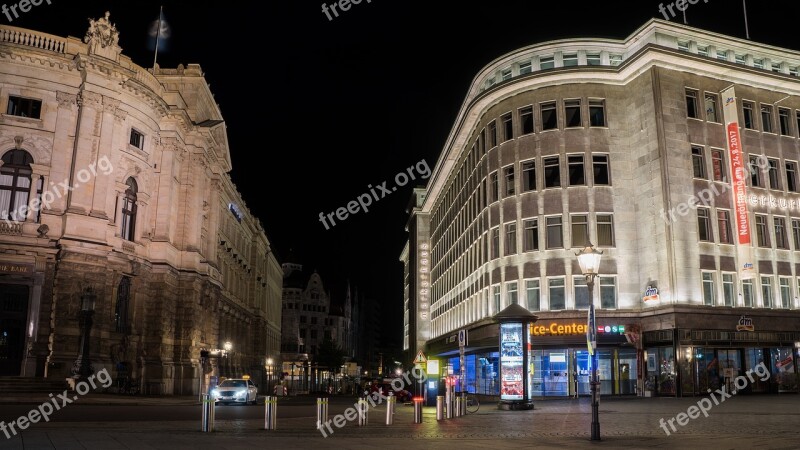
column 515, row 357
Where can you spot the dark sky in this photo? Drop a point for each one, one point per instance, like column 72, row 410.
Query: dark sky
column 333, row 106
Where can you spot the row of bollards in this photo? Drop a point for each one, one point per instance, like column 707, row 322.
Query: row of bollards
column 322, row 412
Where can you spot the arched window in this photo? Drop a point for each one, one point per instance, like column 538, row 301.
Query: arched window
column 15, row 184
column 123, row 301
column 129, row 210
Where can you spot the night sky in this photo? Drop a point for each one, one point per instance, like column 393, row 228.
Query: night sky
column 332, row 106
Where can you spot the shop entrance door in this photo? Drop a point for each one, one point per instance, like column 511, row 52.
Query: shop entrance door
column 730, row 363
column 13, row 314
column 583, row 371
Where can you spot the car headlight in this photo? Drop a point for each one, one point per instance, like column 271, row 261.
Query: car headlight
column 214, row 393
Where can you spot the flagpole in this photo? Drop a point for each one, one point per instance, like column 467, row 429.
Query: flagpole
column 746, row 26
column 158, row 36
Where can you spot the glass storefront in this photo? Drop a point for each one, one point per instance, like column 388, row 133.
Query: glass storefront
column 563, row 372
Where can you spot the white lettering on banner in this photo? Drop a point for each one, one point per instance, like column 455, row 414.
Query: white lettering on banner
column 424, row 281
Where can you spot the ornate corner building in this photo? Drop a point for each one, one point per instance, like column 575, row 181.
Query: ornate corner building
column 114, row 184
column 636, row 146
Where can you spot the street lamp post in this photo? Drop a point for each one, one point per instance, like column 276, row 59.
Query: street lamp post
column 227, row 346
column 269, row 376
column 589, row 260
column 83, row 365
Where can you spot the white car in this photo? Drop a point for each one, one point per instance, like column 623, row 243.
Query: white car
column 235, row 391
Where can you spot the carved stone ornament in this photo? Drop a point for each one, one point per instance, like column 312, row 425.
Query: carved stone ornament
column 102, row 32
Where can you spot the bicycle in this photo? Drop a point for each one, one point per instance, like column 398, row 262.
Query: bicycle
column 472, row 404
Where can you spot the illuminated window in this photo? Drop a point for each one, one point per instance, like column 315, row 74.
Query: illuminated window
column 605, row 230
column 15, row 185
column 708, row 288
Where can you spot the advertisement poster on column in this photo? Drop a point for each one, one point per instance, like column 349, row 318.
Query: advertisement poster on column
column 511, row 361
column 738, row 165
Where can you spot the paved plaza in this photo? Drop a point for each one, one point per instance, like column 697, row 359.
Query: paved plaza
column 739, row 422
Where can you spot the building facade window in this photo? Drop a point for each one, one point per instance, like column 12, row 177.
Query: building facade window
column 496, row 298
column 766, row 292
column 24, row 107
column 511, row 293
column 547, row 62
column 575, row 169
column 528, row 176
column 572, row 113
column 495, row 243
column 580, row 292
column 511, row 238
column 791, row 176
column 129, row 208
column 15, row 185
column 601, row 173
column 555, row 234
column 549, row 116
column 593, row 59
column 766, row 118
column 728, row 290
column 526, row 120
column 747, row 293
column 724, row 225
column 552, row 172
column 773, row 174
column 755, row 171
column 597, row 113
column 608, row 293
column 492, row 134
column 508, row 127
column 494, row 187
column 137, row 139
column 796, row 233
column 708, row 289
column 570, row 59
column 580, row 231
column 784, row 121
column 704, row 225
column 605, row 230
column 525, row 68
column 691, row 104
column 556, row 294
column 712, row 114
column 786, row 292
column 762, row 232
column 508, row 176
column 718, row 165
column 781, row 238
column 698, row 163
column 123, row 305
column 533, row 295
column 531, row 241
column 748, row 109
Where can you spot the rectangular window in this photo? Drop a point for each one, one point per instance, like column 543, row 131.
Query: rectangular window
column 683, row 46
column 580, row 231
column 747, row 293
column 740, row 59
column 524, row 68
column 533, row 293
column 492, row 134
column 600, row 170
column 793, row 71
column 531, row 235
column 496, row 295
column 494, row 188
column 773, row 174
column 572, row 113
column 580, row 292
column 556, row 294
column 755, row 171
column 605, row 230
column 526, row 119
column 528, row 176
column 608, row 293
column 766, row 118
column 555, row 236
column 712, row 115
column 577, row 175
column 766, row 291
column 691, row 104
column 796, row 233
column 718, row 165
column 547, row 62
column 749, row 116
column 549, row 116
column 24, row 107
column 615, row 60
column 552, row 172
column 708, row 288
column 786, row 293
column 593, row 59
column 758, row 63
column 495, row 243
column 511, row 238
column 511, row 293
column 791, row 176
column 570, row 59
column 508, row 127
column 505, row 74
column 762, row 232
column 508, row 176
column 702, row 51
column 784, row 120
column 137, row 139
column 777, row 67
column 728, row 291
column 724, row 223
column 781, row 239
column 704, row 225
column 722, row 54
column 597, row 113
column 698, row 163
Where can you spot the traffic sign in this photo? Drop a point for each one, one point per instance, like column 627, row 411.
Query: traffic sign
column 463, row 338
column 420, row 359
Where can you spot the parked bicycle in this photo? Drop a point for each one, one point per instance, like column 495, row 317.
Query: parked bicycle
column 126, row 386
column 472, row 404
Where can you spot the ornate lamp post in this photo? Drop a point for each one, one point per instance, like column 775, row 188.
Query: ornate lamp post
column 589, row 260
column 227, row 346
column 83, row 365
column 269, row 375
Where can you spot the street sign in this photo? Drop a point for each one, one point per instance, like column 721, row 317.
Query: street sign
column 420, row 359
column 463, row 338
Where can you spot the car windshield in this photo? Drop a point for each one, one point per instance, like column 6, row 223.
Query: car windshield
column 233, row 383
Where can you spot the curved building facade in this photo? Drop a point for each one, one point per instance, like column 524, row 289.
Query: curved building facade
column 625, row 145
column 114, row 186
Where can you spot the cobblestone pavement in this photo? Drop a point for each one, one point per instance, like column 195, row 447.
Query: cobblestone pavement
column 739, row 422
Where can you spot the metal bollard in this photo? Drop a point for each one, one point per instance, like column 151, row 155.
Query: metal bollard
column 440, row 407
column 207, row 425
column 417, row 409
column 458, row 406
column 271, row 413
column 322, row 412
column 363, row 412
column 390, row 402
column 448, row 404
column 463, row 404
